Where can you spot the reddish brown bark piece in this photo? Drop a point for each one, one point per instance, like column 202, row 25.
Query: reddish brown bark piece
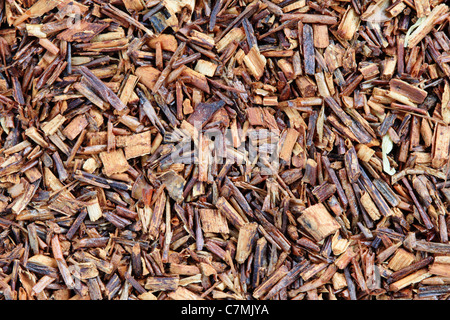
column 413, row 93
column 82, row 31
column 203, row 112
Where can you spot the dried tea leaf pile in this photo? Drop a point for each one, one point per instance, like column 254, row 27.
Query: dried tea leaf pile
column 328, row 179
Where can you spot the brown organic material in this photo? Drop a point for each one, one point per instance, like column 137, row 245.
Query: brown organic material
column 219, row 150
